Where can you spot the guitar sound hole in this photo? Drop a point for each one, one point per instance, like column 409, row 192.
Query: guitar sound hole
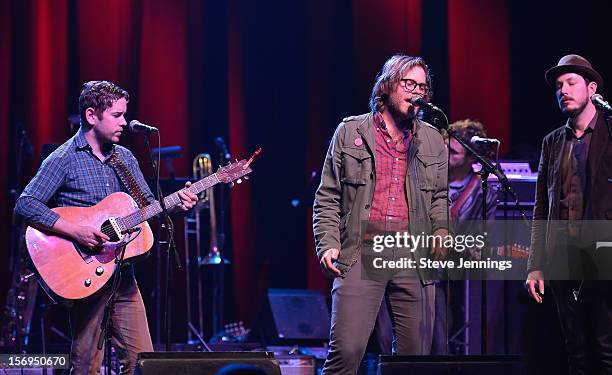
column 107, row 228
column 85, row 252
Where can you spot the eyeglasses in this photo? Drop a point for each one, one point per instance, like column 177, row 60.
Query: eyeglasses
column 410, row 85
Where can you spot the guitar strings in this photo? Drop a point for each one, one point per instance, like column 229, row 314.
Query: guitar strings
column 133, row 217
column 108, row 230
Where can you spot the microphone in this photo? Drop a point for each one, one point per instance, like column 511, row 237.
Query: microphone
column 138, row 127
column 418, row 100
column 484, row 141
column 221, row 144
column 600, row 103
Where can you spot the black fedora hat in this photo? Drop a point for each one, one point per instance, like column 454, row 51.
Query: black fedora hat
column 573, row 64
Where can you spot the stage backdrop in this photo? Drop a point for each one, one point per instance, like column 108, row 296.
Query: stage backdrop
column 278, row 75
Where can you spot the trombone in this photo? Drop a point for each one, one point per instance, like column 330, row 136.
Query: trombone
column 202, row 167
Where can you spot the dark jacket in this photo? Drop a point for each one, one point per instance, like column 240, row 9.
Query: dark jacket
column 598, row 192
column 344, row 197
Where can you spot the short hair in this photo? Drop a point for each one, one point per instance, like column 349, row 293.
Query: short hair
column 99, row 95
column 466, row 129
column 392, row 72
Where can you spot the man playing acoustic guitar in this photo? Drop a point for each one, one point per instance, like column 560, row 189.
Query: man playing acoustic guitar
column 79, row 174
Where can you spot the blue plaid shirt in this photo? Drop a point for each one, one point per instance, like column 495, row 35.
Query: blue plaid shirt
column 73, row 176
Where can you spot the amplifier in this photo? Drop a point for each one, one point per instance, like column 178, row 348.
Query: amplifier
column 297, row 364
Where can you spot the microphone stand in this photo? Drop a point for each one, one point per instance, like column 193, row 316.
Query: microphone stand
column 107, row 322
column 487, row 169
column 170, row 239
column 218, row 295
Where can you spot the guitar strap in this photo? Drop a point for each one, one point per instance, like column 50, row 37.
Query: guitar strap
column 128, row 180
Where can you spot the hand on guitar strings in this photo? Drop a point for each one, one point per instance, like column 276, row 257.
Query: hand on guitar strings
column 188, row 199
column 90, row 237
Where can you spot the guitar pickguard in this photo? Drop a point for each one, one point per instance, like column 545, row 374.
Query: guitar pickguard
column 105, row 255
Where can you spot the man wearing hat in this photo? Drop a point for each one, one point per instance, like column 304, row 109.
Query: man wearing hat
column 574, row 184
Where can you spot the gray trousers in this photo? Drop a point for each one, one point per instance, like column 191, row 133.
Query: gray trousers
column 355, row 305
column 130, row 329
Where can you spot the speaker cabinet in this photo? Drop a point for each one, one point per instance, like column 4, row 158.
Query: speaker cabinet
column 188, row 363
column 290, row 316
column 446, row 365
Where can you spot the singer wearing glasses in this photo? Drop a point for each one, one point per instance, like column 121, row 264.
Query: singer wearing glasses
column 574, row 184
column 388, row 169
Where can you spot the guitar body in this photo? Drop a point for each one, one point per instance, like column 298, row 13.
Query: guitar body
column 74, row 272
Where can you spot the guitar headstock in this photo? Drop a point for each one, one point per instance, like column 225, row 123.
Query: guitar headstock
column 236, row 170
column 233, row 171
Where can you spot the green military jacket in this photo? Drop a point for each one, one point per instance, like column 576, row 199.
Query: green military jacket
column 343, row 200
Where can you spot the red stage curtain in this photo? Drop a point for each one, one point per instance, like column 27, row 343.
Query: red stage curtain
column 144, row 46
column 246, row 272
column 162, row 85
column 47, row 74
column 479, row 64
column 5, row 134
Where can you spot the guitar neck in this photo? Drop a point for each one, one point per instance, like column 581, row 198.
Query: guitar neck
column 170, row 201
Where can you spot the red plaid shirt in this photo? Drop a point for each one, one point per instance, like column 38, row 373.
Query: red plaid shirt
column 390, row 201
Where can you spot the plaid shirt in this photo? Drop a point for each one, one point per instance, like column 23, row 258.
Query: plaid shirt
column 73, row 176
column 390, row 202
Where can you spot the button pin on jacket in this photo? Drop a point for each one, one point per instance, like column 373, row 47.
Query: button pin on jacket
column 359, row 142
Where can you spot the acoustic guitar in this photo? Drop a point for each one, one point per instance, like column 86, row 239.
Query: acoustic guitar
column 72, row 271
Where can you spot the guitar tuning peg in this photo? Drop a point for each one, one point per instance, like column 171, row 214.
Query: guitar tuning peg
column 236, row 160
column 231, row 184
column 239, row 181
column 229, row 163
column 246, row 178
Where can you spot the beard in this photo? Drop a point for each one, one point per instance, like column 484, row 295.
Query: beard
column 401, row 117
column 574, row 112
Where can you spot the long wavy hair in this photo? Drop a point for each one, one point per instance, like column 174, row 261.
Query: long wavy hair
column 391, row 74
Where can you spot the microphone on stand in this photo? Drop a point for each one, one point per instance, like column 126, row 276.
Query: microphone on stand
column 484, row 141
column 438, row 122
column 600, row 103
column 136, row 126
column 418, row 100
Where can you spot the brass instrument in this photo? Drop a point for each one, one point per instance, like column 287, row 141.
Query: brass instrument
column 202, row 167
